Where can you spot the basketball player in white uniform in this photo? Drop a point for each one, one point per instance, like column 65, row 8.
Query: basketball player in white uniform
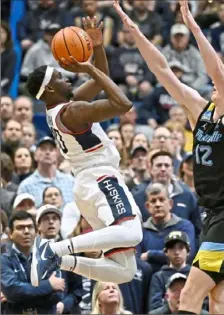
column 100, row 191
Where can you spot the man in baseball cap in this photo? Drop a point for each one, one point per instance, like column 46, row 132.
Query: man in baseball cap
column 173, row 290
column 175, row 237
column 48, row 220
column 25, row 202
column 46, row 139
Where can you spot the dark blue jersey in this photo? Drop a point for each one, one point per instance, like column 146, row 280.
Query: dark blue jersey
column 209, row 159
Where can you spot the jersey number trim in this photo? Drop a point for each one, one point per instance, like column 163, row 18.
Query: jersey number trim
column 203, row 153
column 87, row 140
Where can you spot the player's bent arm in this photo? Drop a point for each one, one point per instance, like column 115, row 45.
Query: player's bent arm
column 78, row 115
column 157, row 63
column 90, row 89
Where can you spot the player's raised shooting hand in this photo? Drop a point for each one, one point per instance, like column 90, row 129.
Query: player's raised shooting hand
column 94, row 31
column 73, row 65
column 186, row 14
column 125, row 19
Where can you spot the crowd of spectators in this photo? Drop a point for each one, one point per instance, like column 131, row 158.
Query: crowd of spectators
column 154, row 140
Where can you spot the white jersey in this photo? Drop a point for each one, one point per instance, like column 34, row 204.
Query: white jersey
column 84, row 149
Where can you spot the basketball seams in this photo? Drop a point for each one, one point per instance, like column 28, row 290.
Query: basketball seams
column 66, row 43
column 53, row 48
column 83, row 49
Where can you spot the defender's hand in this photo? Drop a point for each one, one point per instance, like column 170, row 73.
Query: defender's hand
column 125, row 19
column 94, row 31
column 73, row 65
column 186, row 14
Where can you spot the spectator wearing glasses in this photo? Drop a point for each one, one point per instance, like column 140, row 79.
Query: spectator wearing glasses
column 21, row 297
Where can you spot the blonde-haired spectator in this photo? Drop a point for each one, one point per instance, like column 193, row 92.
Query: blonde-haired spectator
column 107, row 299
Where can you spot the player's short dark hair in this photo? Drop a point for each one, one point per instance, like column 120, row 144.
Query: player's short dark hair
column 161, row 153
column 19, row 216
column 35, row 80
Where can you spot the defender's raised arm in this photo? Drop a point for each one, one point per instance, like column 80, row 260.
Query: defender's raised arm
column 158, row 64
column 213, row 63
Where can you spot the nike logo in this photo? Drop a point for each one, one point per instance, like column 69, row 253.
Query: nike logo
column 43, row 253
column 15, row 270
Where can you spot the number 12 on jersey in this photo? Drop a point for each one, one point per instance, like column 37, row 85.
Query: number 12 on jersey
column 203, row 153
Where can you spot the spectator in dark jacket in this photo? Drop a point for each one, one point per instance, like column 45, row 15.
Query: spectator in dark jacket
column 184, row 201
column 161, row 223
column 8, row 59
column 31, row 27
column 174, row 287
column 135, row 293
column 21, row 296
column 177, row 247
column 48, row 221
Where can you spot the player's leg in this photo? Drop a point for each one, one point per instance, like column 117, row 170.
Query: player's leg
column 197, row 287
column 119, row 267
column 216, row 299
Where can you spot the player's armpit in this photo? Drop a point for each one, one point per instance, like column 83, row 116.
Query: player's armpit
column 78, row 114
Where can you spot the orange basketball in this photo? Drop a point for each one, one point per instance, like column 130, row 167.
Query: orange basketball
column 72, row 41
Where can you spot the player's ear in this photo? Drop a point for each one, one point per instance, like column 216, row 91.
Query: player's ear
column 49, row 89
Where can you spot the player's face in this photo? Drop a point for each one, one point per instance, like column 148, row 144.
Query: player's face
column 162, row 169
column 61, row 85
column 216, row 98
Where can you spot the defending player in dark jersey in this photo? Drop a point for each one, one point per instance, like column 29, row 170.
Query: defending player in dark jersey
column 207, row 121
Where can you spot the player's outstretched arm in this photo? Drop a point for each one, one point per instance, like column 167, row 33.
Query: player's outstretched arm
column 158, row 64
column 212, row 61
column 80, row 113
column 91, row 89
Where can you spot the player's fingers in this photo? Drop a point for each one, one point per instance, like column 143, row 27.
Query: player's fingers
column 84, row 22
column 73, row 60
column 89, row 24
column 95, row 22
column 64, row 61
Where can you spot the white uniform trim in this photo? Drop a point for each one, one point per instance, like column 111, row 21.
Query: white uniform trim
column 46, row 80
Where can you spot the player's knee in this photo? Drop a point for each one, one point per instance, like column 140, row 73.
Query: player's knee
column 129, row 273
column 134, row 230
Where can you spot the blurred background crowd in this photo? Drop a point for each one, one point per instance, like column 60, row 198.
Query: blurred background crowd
column 154, row 140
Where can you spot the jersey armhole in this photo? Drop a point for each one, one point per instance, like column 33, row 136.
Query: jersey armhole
column 199, row 117
column 61, row 127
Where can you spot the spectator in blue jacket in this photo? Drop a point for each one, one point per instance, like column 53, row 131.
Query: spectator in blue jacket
column 135, row 293
column 159, row 225
column 21, row 296
column 184, row 201
column 48, row 221
column 177, row 248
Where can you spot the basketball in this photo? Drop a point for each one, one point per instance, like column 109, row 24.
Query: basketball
column 72, row 41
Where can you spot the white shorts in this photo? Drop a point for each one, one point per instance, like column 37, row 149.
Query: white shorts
column 103, row 197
